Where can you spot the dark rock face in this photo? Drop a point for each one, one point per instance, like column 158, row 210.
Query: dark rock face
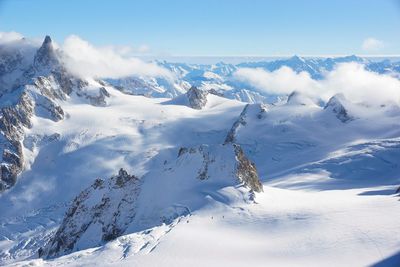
column 246, row 171
column 215, row 92
column 46, row 55
column 106, row 207
column 98, row 100
column 230, row 138
column 197, row 98
column 222, row 156
column 336, row 106
column 13, row 119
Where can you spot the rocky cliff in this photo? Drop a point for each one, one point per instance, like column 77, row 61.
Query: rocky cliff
column 105, row 209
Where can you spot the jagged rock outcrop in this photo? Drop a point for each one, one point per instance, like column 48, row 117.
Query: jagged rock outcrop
column 197, row 98
column 228, row 159
column 46, row 55
column 194, row 98
column 215, row 92
column 105, row 209
column 241, row 121
column 96, row 100
column 13, row 119
column 335, row 104
column 246, row 171
column 256, row 110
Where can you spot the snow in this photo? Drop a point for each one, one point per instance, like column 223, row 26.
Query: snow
column 329, row 186
column 284, row 228
column 306, row 215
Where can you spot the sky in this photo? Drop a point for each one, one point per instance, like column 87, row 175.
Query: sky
column 214, row 27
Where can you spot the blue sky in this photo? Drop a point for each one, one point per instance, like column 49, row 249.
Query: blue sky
column 215, row 27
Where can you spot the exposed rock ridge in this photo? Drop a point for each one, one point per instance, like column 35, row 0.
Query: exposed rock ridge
column 197, row 98
column 259, row 111
column 106, row 207
column 13, row 119
column 244, row 171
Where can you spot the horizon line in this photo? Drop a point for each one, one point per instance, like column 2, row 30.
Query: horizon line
column 271, row 56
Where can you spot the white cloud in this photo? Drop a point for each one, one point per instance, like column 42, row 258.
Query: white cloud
column 372, row 44
column 281, row 81
column 350, row 79
column 143, row 49
column 8, row 37
column 84, row 59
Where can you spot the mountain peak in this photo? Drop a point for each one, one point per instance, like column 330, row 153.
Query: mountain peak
column 296, row 58
column 336, row 105
column 47, row 40
column 197, row 97
column 46, row 54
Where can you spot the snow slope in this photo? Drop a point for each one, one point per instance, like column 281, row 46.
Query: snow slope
column 329, row 174
column 329, row 186
column 285, row 228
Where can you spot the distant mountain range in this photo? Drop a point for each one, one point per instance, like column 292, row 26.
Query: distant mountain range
column 219, row 76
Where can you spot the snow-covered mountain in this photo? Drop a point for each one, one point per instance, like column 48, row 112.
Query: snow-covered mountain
column 34, row 87
column 220, row 76
column 202, row 169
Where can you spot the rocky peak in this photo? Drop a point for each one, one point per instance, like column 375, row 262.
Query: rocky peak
column 46, row 54
column 335, row 104
column 197, row 97
column 228, row 157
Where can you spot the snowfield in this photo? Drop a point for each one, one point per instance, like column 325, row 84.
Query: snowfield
column 191, row 177
column 326, row 201
column 354, row 227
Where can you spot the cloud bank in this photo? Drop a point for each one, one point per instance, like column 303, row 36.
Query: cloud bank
column 350, row 79
column 372, row 45
column 8, row 37
column 84, row 59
